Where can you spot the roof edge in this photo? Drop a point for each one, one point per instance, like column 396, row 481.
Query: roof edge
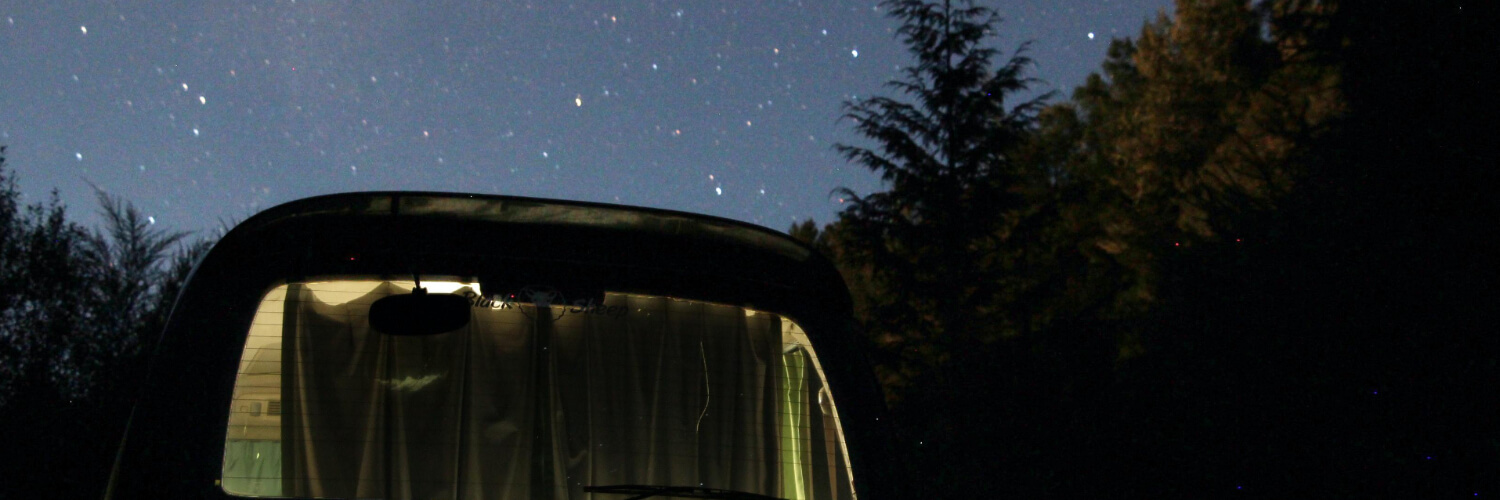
column 526, row 210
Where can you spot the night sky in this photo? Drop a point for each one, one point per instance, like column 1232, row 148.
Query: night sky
column 202, row 112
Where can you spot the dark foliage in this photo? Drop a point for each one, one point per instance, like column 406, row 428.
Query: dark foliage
column 79, row 312
column 1248, row 254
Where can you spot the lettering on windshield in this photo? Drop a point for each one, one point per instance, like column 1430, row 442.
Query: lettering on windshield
column 559, row 305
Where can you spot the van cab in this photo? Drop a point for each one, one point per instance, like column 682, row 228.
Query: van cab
column 406, row 345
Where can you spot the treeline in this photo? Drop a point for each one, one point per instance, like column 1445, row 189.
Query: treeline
column 80, row 309
column 1245, row 255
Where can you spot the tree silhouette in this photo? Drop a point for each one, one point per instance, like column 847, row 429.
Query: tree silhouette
column 79, row 310
column 946, row 157
column 940, row 255
column 1175, row 272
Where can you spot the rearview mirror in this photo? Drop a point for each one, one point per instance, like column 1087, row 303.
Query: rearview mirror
column 419, row 314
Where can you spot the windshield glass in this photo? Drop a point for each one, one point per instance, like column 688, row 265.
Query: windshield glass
column 527, row 401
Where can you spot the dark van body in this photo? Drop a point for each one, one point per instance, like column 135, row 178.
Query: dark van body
column 602, row 352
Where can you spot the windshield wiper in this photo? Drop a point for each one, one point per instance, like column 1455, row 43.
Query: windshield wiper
column 646, row 491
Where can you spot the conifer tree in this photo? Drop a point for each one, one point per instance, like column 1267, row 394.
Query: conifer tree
column 945, row 149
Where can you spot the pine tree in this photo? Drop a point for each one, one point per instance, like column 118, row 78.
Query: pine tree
column 940, row 251
column 953, row 186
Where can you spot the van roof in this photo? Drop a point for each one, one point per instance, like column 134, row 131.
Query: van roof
column 523, row 210
column 385, row 230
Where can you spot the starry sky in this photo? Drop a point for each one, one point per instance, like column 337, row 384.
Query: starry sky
column 204, row 112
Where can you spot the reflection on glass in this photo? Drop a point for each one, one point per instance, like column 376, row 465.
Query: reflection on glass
column 527, row 402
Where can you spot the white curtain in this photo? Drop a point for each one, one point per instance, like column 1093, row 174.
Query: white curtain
column 530, row 402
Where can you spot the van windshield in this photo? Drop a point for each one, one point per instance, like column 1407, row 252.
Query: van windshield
column 528, row 400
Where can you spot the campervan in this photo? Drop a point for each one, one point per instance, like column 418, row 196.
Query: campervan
column 405, row 345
